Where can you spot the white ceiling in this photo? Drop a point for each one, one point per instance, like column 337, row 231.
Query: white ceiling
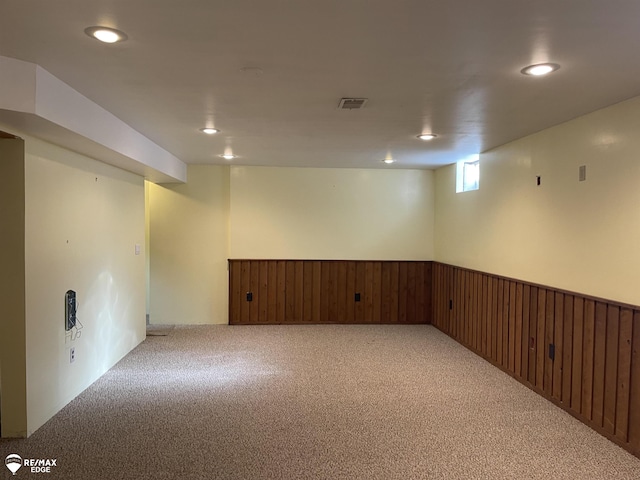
column 447, row 66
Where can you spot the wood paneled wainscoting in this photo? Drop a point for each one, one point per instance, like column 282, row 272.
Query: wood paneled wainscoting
column 580, row 352
column 329, row 291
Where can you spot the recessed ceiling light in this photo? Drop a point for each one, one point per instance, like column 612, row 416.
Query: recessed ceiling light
column 228, row 156
column 540, row 69
column 209, row 131
column 427, row 136
column 388, row 160
column 106, row 34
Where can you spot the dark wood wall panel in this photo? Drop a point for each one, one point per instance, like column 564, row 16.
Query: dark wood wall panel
column 567, row 350
column 634, row 386
column 624, row 375
column 577, row 356
column 533, row 335
column 581, row 353
column 323, row 291
column 597, row 403
column 587, row 365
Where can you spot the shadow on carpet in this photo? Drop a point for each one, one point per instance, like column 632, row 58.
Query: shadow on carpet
column 159, row 330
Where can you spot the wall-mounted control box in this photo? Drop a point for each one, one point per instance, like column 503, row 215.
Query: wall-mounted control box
column 70, row 310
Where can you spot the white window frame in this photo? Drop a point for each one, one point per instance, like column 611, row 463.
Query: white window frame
column 468, row 174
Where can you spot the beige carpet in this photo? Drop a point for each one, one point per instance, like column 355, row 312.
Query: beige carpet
column 315, row 402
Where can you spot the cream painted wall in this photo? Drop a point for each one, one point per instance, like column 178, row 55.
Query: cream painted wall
column 13, row 387
column 189, row 235
column 83, row 220
column 578, row 236
column 324, row 213
column 255, row 212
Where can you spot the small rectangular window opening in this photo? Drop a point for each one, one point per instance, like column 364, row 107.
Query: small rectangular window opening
column 468, row 175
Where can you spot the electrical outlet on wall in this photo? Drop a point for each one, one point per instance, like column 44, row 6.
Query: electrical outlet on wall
column 582, row 173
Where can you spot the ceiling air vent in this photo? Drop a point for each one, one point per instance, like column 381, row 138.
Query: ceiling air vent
column 352, row 103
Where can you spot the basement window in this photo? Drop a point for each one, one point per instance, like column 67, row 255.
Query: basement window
column 468, row 174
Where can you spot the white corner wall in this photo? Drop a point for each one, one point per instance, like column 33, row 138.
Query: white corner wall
column 189, row 236
column 331, row 213
column 578, row 236
column 83, row 219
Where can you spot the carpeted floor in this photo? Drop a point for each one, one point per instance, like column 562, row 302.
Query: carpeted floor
column 315, row 402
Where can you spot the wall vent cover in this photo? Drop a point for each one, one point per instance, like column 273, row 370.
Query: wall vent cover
column 352, row 103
